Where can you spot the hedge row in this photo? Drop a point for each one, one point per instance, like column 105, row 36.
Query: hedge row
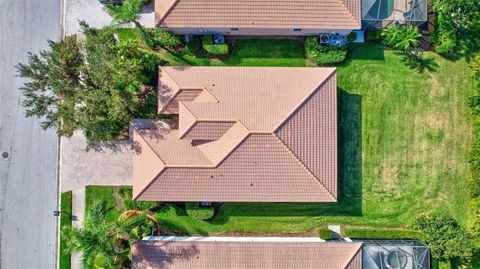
column 324, row 54
column 376, row 233
column 214, row 49
column 474, row 179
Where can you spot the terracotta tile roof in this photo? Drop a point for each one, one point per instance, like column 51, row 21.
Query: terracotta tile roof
column 269, row 14
column 245, row 254
column 264, row 134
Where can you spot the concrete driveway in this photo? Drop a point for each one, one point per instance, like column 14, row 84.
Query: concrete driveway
column 104, row 164
column 93, row 13
column 28, row 177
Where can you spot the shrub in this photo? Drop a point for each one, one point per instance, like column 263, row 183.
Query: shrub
column 444, row 36
column 373, row 36
column 199, row 212
column 352, row 37
column 164, row 39
column 193, row 45
column 323, row 54
column 214, row 49
column 128, row 203
column 375, row 233
column 325, row 234
column 447, row 240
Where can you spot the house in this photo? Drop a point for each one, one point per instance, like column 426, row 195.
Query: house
column 269, row 17
column 245, row 252
column 176, row 252
column 245, row 134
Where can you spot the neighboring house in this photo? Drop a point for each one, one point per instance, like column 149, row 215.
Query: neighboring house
column 175, row 252
column 245, row 134
column 269, row 17
column 245, row 253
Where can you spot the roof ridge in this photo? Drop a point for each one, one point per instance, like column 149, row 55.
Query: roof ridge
column 174, row 95
column 303, row 165
column 247, row 134
column 180, row 136
column 353, row 256
column 172, row 5
column 135, row 130
column 352, row 17
column 205, row 90
column 327, row 78
column 148, row 144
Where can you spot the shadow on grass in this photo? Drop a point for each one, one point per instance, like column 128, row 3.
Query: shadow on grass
column 349, row 174
column 366, row 51
column 421, row 65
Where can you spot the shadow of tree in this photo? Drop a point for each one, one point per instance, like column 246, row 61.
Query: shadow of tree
column 422, row 64
column 349, row 174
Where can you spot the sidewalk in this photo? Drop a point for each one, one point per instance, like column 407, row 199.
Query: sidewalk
column 78, row 210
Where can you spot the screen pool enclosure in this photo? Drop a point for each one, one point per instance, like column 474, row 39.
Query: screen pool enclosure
column 384, row 12
column 394, row 254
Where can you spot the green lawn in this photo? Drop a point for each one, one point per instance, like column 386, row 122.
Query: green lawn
column 403, row 143
column 105, row 195
column 65, row 221
column 245, row 52
column 250, row 52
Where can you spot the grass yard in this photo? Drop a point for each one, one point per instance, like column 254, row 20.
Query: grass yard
column 65, row 221
column 403, row 143
column 246, row 52
column 104, row 194
column 250, row 52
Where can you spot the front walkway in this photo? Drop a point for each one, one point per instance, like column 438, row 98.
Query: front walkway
column 78, row 210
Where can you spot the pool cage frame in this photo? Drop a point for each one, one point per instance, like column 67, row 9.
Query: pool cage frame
column 417, row 254
column 413, row 12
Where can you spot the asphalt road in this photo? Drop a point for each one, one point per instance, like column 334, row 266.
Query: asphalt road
column 28, row 189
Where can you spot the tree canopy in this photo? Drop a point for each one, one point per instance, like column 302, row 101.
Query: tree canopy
column 106, row 244
column 447, row 240
column 96, row 86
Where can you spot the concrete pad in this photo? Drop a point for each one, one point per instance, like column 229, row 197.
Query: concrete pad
column 104, row 164
column 92, row 11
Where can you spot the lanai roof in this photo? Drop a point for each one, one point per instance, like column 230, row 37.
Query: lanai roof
column 268, row 14
column 245, row 134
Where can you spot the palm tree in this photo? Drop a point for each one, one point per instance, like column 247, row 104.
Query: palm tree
column 104, row 244
column 392, row 35
column 404, row 38
column 408, row 39
column 127, row 12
